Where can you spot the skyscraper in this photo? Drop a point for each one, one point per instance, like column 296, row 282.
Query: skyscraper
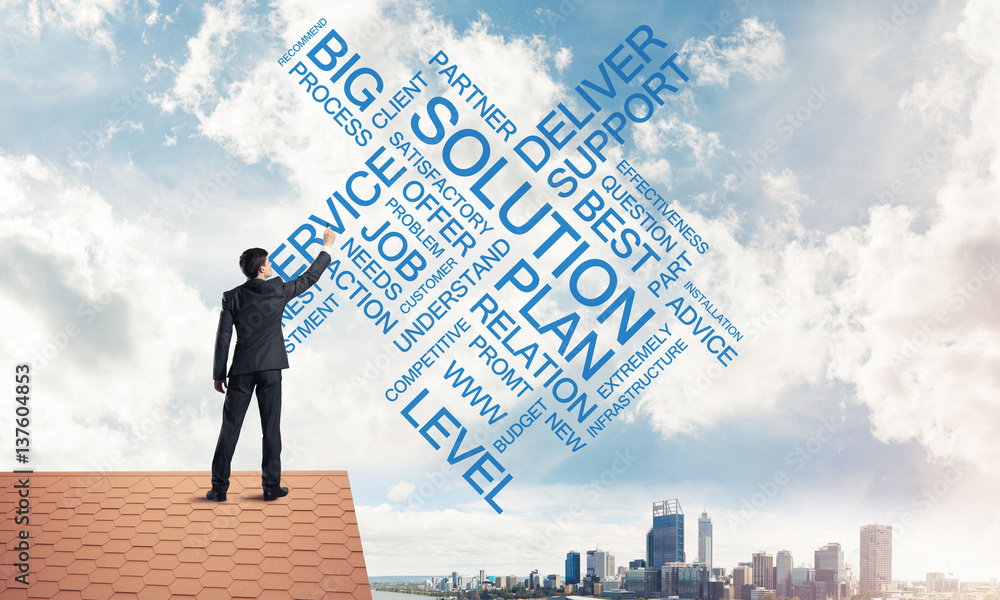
column 784, row 571
column 683, row 580
column 763, row 570
column 534, row 581
column 604, row 564
column 742, row 575
column 801, row 575
column 665, row 539
column 933, row 580
column 705, row 542
column 573, row 567
column 742, row 581
column 830, row 569
column 876, row 557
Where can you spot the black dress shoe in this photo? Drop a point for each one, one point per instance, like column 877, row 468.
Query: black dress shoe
column 217, row 496
column 274, row 494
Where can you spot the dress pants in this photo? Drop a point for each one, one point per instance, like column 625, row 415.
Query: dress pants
column 268, row 386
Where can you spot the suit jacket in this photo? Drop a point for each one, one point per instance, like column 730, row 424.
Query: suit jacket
column 255, row 308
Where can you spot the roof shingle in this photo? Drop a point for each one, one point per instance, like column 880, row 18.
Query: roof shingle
column 154, row 535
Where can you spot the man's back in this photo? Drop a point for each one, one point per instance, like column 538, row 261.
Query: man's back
column 255, row 309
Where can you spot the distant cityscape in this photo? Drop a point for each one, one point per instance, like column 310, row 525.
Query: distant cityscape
column 665, row 572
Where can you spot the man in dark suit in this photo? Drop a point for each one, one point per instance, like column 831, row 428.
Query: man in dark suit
column 255, row 308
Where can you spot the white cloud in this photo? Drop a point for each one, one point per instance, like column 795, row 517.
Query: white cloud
column 563, row 59
column 670, row 131
column 924, row 302
column 401, row 491
column 656, row 171
column 804, row 296
column 154, row 15
column 756, row 49
column 195, row 84
column 904, row 313
column 95, row 305
column 87, row 19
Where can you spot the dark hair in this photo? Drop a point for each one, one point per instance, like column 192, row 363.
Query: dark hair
column 252, row 260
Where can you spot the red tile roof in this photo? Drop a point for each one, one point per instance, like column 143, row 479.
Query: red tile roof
column 150, row 535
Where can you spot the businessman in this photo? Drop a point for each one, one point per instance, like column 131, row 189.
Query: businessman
column 255, row 308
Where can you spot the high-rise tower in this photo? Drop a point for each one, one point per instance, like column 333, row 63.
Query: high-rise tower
column 705, row 542
column 876, row 557
column 784, row 571
column 830, row 569
column 573, row 567
column 665, row 539
column 763, row 570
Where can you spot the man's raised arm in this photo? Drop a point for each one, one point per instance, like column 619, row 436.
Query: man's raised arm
column 304, row 281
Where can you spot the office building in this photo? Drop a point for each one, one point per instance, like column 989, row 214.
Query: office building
column 802, row 574
column 639, row 563
column 742, row 575
column 683, row 580
column 876, row 557
column 600, row 564
column 743, row 580
column 534, row 581
column 644, row 582
column 705, row 541
column 763, row 570
column 713, row 590
column 932, row 581
column 830, row 571
column 604, row 565
column 665, row 539
column 572, row 567
column 783, row 570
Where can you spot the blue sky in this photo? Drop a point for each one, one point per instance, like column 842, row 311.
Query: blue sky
column 150, row 143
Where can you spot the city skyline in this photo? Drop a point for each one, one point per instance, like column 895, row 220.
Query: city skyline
column 837, row 162
column 828, row 557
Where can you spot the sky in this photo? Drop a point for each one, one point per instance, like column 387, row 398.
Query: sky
column 839, row 161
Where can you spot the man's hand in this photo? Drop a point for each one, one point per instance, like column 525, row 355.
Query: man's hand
column 329, row 236
column 220, row 386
